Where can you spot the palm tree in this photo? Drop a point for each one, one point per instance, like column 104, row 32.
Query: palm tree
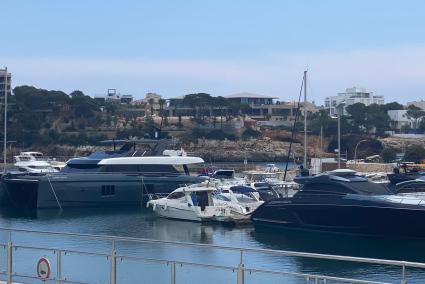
column 151, row 102
column 161, row 103
column 221, row 103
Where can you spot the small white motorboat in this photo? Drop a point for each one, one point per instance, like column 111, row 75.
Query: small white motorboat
column 241, row 199
column 192, row 203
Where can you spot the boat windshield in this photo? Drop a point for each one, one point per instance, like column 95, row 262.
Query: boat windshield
column 242, row 198
column 221, row 197
column 175, row 195
column 359, row 187
column 369, row 188
column 401, row 199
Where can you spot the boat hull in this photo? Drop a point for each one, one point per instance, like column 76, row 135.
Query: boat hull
column 344, row 217
column 171, row 212
column 87, row 190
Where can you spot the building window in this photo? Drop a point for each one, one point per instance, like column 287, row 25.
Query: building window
column 108, row 190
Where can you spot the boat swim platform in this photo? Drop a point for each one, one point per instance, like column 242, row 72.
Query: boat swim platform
column 29, row 256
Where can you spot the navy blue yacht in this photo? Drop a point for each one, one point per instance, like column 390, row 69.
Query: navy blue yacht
column 119, row 177
column 342, row 201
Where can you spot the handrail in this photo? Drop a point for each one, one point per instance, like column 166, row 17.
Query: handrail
column 229, row 248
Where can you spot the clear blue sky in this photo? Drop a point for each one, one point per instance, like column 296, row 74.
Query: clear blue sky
column 220, row 47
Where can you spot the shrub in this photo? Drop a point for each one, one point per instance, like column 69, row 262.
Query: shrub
column 414, row 153
column 389, row 154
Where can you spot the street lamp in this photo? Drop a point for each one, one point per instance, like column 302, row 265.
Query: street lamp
column 355, row 150
column 338, row 116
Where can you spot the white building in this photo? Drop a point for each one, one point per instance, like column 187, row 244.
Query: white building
column 155, row 100
column 113, row 96
column 399, row 120
column 351, row 96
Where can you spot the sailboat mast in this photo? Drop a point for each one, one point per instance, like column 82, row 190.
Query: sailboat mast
column 5, row 121
column 305, row 119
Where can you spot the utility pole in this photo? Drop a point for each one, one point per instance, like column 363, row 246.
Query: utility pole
column 339, row 140
column 5, row 121
column 305, row 119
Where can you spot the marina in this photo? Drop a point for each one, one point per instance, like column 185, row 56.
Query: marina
column 213, row 142
column 251, row 226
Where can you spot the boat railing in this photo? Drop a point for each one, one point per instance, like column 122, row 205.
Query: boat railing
column 104, row 259
column 146, row 174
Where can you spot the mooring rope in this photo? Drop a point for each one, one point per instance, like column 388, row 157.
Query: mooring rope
column 54, row 192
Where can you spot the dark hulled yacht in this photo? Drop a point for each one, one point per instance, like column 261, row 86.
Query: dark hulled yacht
column 115, row 181
column 342, row 201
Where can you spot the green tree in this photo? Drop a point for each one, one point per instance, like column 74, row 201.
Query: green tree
column 393, row 106
column 151, row 101
column 414, row 153
column 221, row 103
column 198, row 102
column 377, row 118
column 388, row 155
column 84, row 106
column 251, row 133
column 357, row 113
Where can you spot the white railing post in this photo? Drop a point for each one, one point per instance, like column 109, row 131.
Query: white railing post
column 9, row 259
column 59, row 266
column 173, row 272
column 403, row 275
column 241, row 276
column 9, row 262
column 113, row 264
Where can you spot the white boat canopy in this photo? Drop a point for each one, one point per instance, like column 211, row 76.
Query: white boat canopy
column 159, row 160
column 195, row 189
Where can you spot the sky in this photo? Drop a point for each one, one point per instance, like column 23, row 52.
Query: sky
column 218, row 47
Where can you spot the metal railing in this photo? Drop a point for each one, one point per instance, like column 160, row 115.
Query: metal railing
column 241, row 270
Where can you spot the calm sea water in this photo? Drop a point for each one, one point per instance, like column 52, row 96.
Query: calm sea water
column 141, row 223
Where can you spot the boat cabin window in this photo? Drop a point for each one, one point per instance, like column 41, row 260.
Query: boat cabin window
column 322, row 188
column 138, row 168
column 24, row 158
column 108, row 190
column 176, row 195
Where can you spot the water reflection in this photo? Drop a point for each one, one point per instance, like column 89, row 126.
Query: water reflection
column 141, row 223
column 341, row 244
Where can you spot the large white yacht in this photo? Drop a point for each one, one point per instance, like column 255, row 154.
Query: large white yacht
column 27, row 163
column 32, row 156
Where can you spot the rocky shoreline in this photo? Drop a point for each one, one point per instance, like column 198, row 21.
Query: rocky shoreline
column 254, row 150
column 264, row 150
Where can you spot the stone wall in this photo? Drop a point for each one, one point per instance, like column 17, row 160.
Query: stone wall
column 371, row 167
